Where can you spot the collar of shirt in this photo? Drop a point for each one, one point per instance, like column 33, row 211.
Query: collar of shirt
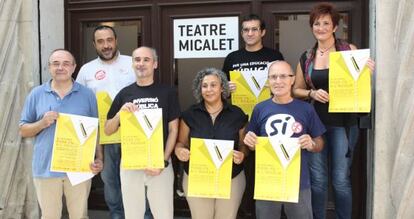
column 201, row 106
column 75, row 87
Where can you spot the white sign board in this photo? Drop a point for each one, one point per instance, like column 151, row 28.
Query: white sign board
column 205, row 37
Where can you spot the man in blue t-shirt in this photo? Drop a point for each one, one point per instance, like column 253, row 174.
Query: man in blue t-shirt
column 287, row 117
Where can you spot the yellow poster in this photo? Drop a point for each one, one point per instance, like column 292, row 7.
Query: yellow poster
column 74, row 143
column 211, row 163
column 277, row 169
column 349, row 81
column 104, row 103
column 142, row 139
column 251, row 88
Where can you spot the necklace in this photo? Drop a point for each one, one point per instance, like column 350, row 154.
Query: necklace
column 214, row 114
column 323, row 51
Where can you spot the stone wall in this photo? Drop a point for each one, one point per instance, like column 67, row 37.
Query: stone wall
column 18, row 70
column 393, row 195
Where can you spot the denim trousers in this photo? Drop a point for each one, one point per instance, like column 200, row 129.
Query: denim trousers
column 112, row 183
column 339, row 147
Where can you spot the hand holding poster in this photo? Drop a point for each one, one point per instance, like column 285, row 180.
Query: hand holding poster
column 251, row 89
column 277, row 169
column 211, row 163
column 349, row 81
column 142, row 139
column 74, row 143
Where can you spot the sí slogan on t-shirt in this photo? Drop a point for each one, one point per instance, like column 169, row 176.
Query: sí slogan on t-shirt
column 205, row 37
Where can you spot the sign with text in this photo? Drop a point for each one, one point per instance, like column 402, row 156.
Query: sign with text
column 205, row 37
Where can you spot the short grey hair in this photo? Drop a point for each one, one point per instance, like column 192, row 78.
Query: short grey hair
column 199, row 79
column 153, row 51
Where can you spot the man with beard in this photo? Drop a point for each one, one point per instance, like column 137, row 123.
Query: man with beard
column 109, row 72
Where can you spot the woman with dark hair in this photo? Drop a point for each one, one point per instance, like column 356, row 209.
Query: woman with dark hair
column 342, row 128
column 213, row 118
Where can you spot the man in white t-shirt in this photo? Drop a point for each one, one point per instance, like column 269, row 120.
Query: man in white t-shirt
column 110, row 72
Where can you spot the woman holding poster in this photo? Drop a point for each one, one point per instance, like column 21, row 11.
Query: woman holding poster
column 213, row 130
column 312, row 82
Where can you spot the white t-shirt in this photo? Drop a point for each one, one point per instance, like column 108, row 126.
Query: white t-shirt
column 100, row 76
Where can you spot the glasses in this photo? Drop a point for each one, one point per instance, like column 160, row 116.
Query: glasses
column 63, row 64
column 281, row 77
column 253, row 29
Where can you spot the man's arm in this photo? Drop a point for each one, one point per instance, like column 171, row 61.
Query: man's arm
column 97, row 164
column 32, row 129
column 171, row 139
column 311, row 144
column 112, row 125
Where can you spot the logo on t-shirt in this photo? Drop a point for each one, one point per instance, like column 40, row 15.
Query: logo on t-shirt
column 282, row 126
column 147, row 102
column 100, row 75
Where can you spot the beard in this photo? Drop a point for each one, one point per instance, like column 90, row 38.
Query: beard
column 107, row 57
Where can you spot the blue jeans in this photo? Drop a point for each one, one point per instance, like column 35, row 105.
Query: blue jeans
column 112, row 183
column 339, row 147
column 272, row 209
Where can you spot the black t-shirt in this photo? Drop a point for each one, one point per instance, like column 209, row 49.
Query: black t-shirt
column 149, row 97
column 244, row 60
column 226, row 126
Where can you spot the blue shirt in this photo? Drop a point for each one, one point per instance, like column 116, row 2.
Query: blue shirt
column 80, row 101
column 292, row 120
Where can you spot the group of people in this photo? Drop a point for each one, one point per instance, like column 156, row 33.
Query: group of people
column 302, row 95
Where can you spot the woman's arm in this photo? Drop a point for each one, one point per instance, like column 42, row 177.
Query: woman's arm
column 181, row 147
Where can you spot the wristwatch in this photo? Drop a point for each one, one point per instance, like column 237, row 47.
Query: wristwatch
column 166, row 163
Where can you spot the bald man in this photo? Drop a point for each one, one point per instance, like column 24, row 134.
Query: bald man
column 282, row 107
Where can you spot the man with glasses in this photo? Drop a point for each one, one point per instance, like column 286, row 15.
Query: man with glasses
column 109, row 72
column 300, row 121
column 254, row 57
column 41, row 109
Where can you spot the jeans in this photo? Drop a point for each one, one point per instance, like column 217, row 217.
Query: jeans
column 112, row 183
column 339, row 146
column 272, row 209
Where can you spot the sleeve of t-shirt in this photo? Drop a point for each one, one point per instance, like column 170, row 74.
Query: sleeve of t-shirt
column 116, row 106
column 28, row 114
column 316, row 127
column 93, row 105
column 173, row 105
column 253, row 125
column 226, row 67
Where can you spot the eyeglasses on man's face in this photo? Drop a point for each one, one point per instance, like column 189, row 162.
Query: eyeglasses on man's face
column 64, row 64
column 280, row 76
